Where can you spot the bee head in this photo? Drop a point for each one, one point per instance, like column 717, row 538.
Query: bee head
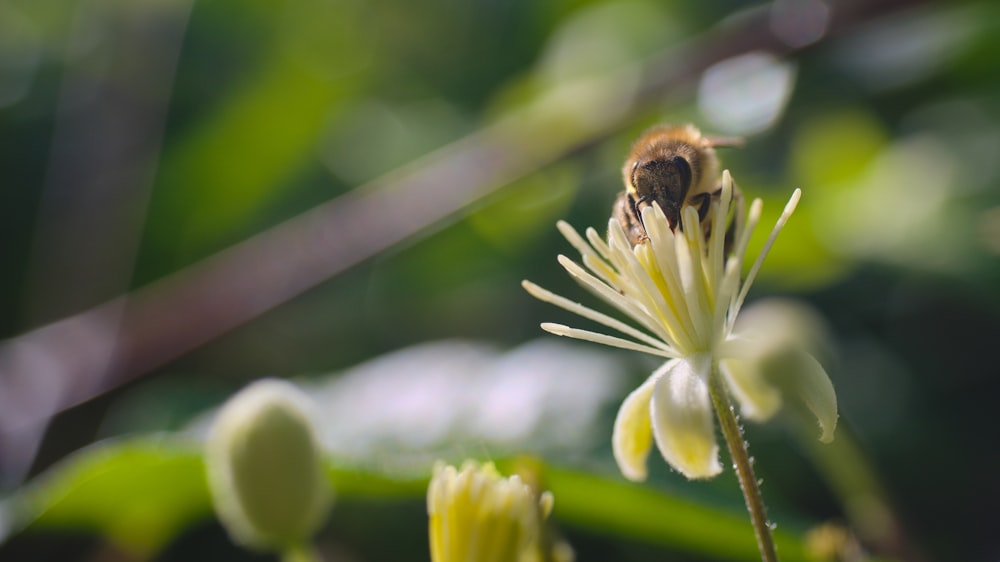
column 664, row 180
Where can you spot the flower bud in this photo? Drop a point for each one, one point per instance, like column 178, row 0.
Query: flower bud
column 264, row 467
column 478, row 515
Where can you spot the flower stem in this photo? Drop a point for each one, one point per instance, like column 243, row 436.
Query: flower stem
column 744, row 466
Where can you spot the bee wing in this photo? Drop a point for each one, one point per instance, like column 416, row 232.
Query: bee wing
column 724, row 142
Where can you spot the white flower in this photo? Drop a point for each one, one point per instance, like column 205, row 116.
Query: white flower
column 685, row 291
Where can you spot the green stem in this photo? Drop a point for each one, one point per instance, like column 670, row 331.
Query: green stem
column 744, row 466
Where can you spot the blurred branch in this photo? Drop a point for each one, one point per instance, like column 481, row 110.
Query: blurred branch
column 76, row 359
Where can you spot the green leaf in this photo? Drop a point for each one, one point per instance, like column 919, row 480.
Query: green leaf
column 640, row 513
column 141, row 492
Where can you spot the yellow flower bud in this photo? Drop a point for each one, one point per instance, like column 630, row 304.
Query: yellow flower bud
column 264, row 467
column 476, row 515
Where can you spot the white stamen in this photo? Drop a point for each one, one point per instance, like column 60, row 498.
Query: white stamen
column 669, row 308
column 574, row 238
column 664, row 256
column 727, row 290
column 753, row 217
column 720, row 210
column 685, row 270
column 575, row 333
column 601, row 269
column 643, row 285
column 591, row 314
column 599, row 244
column 703, row 287
column 743, row 240
column 614, row 298
column 789, row 209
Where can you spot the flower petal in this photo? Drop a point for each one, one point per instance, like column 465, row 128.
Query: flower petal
column 633, row 435
column 799, row 375
column 779, row 353
column 681, row 411
column 785, row 321
column 758, row 399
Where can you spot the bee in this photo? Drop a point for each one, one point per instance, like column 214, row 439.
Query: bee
column 675, row 167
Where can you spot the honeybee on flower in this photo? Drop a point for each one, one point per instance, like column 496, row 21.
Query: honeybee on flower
column 681, row 285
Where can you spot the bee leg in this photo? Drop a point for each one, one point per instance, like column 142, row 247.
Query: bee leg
column 703, row 202
column 635, row 208
column 625, row 212
column 737, row 223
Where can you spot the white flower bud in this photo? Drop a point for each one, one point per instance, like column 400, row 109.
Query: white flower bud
column 264, row 467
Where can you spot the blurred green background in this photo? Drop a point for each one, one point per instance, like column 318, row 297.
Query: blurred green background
column 293, row 188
